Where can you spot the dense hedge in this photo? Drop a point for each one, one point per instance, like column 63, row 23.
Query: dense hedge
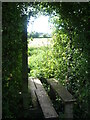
column 12, row 24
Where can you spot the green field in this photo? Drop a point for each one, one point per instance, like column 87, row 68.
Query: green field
column 38, row 42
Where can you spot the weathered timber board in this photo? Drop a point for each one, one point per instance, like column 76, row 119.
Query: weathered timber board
column 45, row 102
column 60, row 90
column 31, row 90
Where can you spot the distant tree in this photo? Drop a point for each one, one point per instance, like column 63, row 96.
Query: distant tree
column 34, row 35
column 46, row 35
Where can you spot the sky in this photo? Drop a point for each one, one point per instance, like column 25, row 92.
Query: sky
column 40, row 24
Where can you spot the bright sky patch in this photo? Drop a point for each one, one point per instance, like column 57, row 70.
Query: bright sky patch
column 40, row 24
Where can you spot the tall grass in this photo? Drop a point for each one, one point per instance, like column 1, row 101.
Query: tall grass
column 36, row 59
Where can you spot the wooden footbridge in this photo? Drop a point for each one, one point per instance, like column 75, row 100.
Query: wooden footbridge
column 42, row 104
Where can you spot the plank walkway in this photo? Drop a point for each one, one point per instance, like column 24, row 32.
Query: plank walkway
column 38, row 93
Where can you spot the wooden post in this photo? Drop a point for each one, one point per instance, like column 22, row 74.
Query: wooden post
column 68, row 110
column 25, row 64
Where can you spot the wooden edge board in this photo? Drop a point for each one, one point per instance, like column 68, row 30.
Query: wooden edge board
column 60, row 90
column 46, row 105
column 45, row 102
column 35, row 113
column 31, row 90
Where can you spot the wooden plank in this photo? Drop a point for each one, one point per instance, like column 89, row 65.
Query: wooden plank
column 35, row 114
column 60, row 90
column 31, row 114
column 68, row 110
column 24, row 64
column 45, row 102
column 31, row 91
